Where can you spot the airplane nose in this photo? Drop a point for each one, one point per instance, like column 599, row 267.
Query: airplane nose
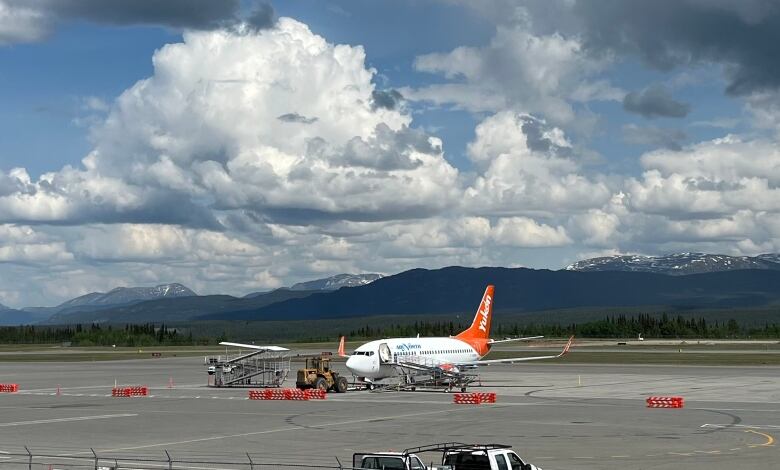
column 351, row 363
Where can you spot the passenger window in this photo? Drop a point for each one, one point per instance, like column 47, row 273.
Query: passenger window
column 515, row 461
column 416, row 464
column 501, row 461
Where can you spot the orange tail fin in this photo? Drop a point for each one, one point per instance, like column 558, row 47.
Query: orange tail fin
column 341, row 347
column 478, row 333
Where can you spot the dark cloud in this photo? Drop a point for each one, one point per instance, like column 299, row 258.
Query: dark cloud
column 704, row 184
column 742, row 35
column 262, row 17
column 192, row 14
column 671, row 139
column 295, row 117
column 198, row 14
column 389, row 150
column 534, row 130
column 387, row 99
column 655, row 101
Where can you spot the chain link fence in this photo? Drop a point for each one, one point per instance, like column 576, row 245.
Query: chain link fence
column 92, row 460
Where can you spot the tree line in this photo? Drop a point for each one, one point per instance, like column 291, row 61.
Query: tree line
column 614, row 326
column 146, row 334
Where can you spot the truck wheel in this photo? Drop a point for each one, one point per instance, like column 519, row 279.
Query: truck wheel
column 341, row 384
column 321, row 384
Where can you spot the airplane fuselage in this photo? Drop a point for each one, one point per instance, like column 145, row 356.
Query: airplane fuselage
column 376, row 360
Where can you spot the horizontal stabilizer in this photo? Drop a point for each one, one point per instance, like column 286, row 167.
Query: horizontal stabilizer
column 507, row 340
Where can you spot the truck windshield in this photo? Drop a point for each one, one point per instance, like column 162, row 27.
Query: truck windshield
column 415, row 464
column 501, row 461
column 515, row 461
column 468, row 461
column 387, row 463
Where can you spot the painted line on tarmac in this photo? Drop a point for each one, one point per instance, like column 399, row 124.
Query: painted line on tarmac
column 770, row 441
column 64, row 420
column 287, row 429
column 741, row 426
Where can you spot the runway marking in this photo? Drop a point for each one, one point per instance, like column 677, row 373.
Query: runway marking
column 741, row 426
column 295, row 428
column 769, row 439
column 63, row 420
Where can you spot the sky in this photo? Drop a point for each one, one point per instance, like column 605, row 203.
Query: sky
column 245, row 145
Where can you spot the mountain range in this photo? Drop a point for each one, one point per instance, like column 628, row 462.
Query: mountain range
column 330, row 283
column 681, row 281
column 677, row 264
column 457, row 290
column 166, row 302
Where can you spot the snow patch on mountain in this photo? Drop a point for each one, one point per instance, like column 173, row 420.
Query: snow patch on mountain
column 124, row 295
column 337, row 282
column 678, row 263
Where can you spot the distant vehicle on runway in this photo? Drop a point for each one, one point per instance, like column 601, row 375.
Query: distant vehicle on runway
column 442, row 357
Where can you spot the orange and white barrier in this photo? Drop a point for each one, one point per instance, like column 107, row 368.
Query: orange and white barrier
column 665, row 402
column 134, row 391
column 315, row 394
column 287, row 394
column 474, row 398
column 9, row 388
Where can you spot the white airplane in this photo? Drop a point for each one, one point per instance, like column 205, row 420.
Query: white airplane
column 382, row 358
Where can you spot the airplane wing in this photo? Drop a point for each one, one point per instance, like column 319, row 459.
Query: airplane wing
column 252, row 346
column 512, row 360
column 527, row 338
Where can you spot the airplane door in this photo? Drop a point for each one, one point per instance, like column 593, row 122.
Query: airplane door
column 384, row 353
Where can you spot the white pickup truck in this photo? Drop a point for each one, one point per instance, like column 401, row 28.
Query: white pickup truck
column 454, row 456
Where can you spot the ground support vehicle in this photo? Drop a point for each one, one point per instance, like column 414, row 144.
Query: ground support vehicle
column 452, row 456
column 318, row 374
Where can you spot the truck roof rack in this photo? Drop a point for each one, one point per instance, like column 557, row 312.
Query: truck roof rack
column 448, row 446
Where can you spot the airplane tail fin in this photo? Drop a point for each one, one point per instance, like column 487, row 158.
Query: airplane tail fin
column 568, row 346
column 341, row 347
column 478, row 333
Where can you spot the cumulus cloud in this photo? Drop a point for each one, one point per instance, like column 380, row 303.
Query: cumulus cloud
column 517, row 70
column 655, row 101
column 21, row 23
column 526, row 232
column 254, row 158
column 210, row 130
column 528, row 170
column 32, row 20
column 715, row 191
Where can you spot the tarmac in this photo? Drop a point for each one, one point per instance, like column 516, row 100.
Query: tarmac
column 556, row 416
